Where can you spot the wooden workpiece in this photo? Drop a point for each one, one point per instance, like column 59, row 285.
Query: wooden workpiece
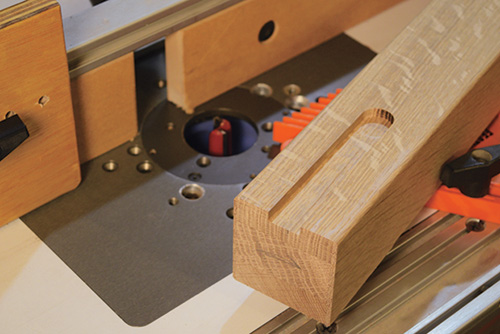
column 215, row 54
column 105, row 107
column 314, row 224
column 34, row 83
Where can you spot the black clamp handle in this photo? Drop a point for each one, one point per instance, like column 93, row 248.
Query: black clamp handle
column 12, row 133
column 472, row 172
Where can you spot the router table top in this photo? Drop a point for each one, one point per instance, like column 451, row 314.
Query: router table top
column 39, row 293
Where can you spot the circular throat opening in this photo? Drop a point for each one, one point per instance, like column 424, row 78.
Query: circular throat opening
column 205, row 135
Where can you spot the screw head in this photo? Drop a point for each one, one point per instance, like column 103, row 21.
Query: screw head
column 291, row 90
column 475, row 225
column 262, row 89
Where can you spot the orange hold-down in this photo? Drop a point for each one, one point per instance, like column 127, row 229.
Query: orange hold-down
column 290, row 127
column 486, row 208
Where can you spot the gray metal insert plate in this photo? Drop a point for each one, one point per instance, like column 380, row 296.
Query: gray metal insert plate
column 143, row 256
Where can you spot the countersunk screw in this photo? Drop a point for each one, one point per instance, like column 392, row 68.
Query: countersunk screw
column 322, row 329
column 296, row 102
column 475, row 225
column 262, row 89
column 291, row 90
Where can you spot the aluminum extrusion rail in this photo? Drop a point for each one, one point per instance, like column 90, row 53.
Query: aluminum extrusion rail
column 115, row 28
column 438, row 276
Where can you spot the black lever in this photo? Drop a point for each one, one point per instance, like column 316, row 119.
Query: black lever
column 472, row 172
column 12, row 133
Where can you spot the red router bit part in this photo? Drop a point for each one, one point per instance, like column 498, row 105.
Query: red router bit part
column 220, row 138
column 445, row 199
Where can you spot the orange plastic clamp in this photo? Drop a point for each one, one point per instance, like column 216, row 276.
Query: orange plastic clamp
column 290, row 127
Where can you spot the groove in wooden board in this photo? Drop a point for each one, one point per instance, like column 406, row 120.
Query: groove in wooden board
column 347, row 216
column 213, row 55
column 34, row 64
column 371, row 116
column 105, row 107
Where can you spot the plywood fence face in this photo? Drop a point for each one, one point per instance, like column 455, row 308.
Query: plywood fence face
column 224, row 50
column 34, row 83
column 105, row 107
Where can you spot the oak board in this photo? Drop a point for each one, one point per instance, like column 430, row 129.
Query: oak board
column 316, row 222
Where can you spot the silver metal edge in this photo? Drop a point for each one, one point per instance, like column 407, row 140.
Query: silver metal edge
column 139, row 31
column 470, row 299
column 473, row 312
column 448, row 309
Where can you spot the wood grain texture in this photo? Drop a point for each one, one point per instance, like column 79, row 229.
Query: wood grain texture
column 105, row 107
column 34, row 65
column 212, row 56
column 314, row 224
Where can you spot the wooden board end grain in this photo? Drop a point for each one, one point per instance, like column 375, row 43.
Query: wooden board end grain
column 222, row 51
column 34, row 83
column 104, row 100
column 315, row 223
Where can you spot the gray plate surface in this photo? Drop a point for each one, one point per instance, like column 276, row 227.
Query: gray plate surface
column 117, row 230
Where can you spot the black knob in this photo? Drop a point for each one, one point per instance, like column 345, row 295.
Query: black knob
column 12, row 133
column 472, row 172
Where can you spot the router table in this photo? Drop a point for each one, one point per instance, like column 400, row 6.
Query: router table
column 144, row 243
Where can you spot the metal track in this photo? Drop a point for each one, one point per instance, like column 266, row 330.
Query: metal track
column 439, row 278
column 115, row 28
